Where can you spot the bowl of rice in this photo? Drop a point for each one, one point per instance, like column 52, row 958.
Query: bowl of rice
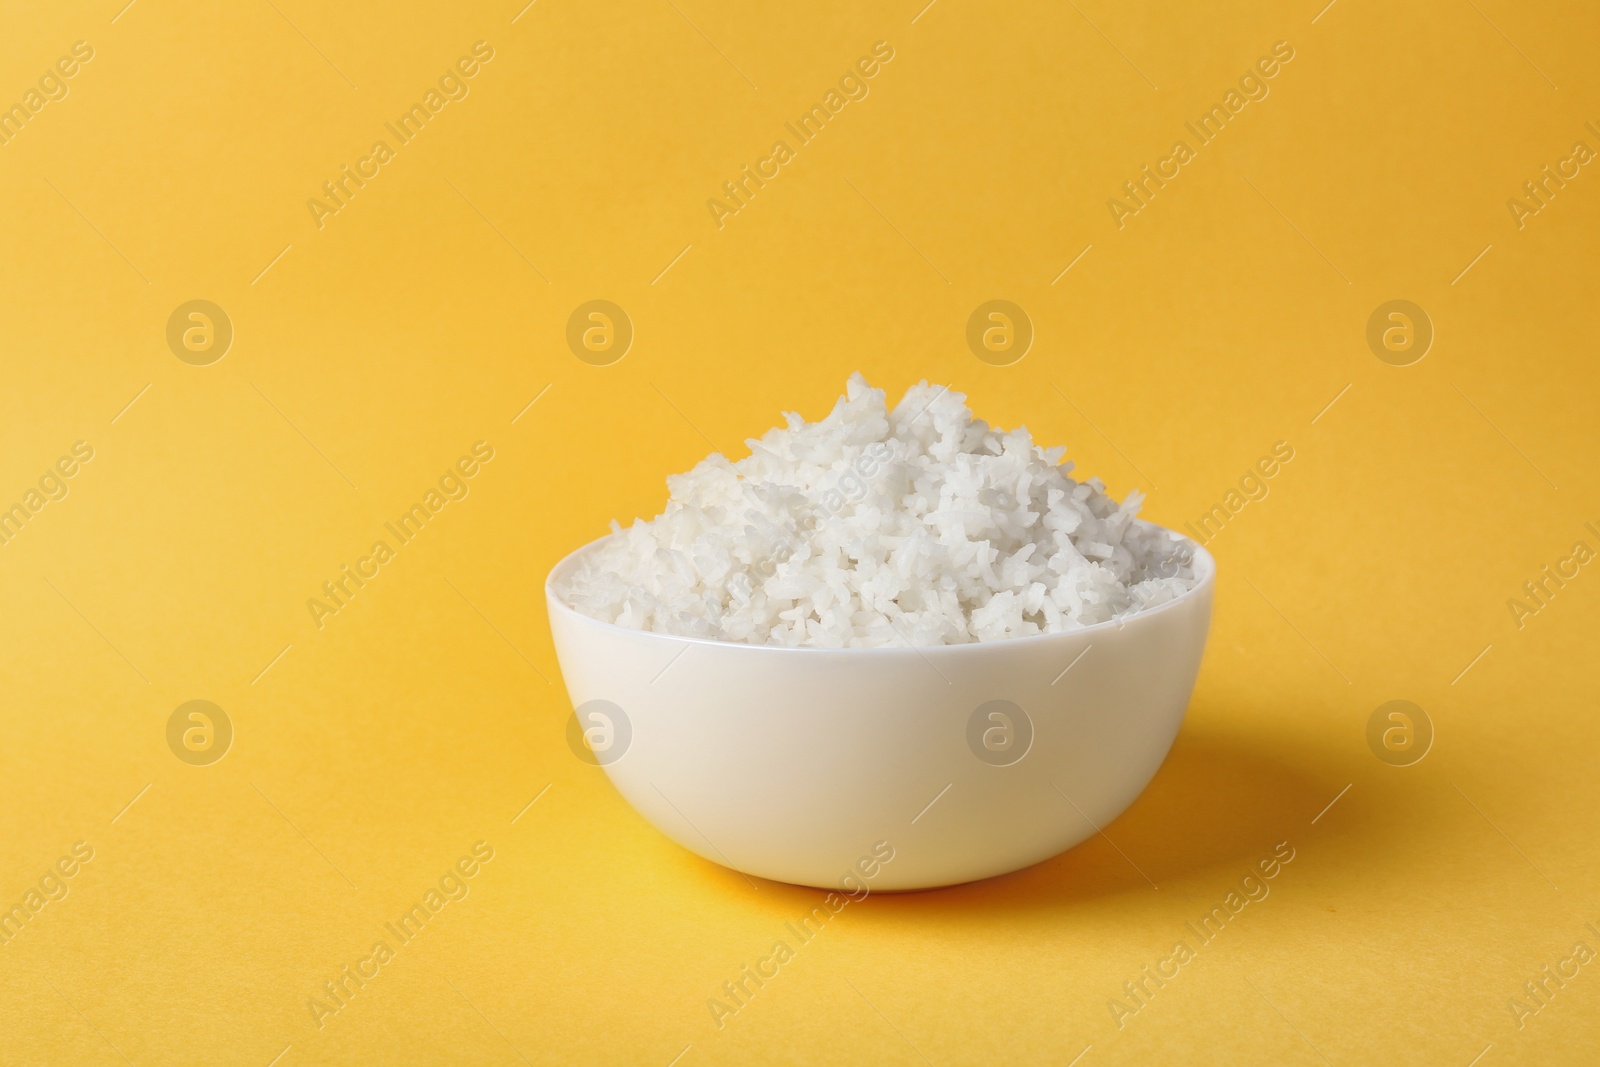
column 892, row 649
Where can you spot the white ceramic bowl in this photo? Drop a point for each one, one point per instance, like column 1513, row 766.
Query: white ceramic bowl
column 794, row 763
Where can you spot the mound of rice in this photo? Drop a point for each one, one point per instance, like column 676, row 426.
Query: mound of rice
column 920, row 525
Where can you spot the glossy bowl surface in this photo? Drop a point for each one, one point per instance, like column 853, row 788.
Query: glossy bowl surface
column 963, row 761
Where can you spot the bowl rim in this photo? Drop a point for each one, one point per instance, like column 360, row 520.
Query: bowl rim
column 1205, row 565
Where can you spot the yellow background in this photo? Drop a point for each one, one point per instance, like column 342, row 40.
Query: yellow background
column 426, row 315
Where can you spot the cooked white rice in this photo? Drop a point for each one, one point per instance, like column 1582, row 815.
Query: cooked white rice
column 871, row 527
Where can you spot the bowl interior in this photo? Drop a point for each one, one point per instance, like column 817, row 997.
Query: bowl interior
column 1205, row 567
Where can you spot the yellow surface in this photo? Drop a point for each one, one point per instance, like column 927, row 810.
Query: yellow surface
column 372, row 351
